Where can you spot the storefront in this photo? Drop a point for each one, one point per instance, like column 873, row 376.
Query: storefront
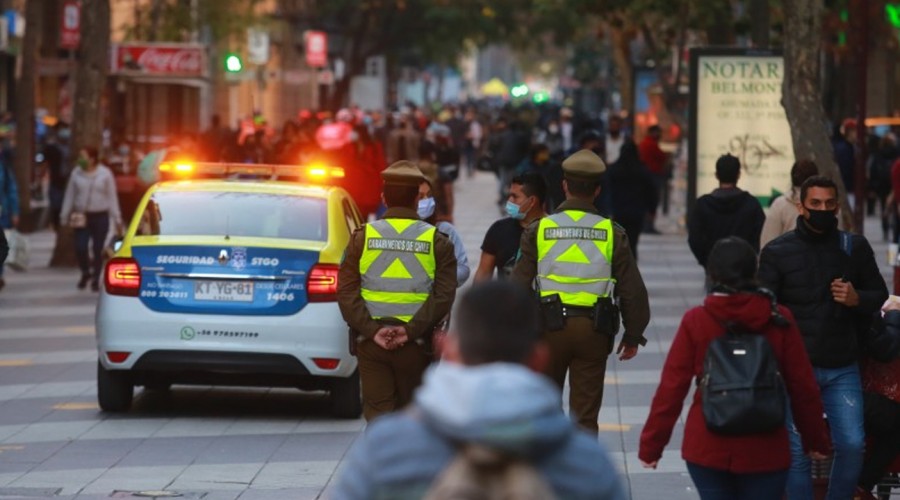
column 161, row 90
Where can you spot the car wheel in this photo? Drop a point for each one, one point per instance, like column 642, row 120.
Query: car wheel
column 345, row 397
column 115, row 389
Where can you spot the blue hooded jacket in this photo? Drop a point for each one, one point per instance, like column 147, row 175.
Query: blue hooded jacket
column 504, row 406
column 9, row 196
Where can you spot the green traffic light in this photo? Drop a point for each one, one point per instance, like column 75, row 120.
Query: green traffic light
column 541, row 97
column 520, row 90
column 892, row 12
column 233, row 63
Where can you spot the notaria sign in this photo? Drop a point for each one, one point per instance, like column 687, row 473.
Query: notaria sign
column 736, row 108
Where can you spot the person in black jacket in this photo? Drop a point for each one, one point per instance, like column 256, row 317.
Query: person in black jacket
column 633, row 192
column 4, row 252
column 830, row 281
column 727, row 211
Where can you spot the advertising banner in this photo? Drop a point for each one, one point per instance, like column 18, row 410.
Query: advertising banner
column 70, row 27
column 736, row 108
column 316, row 49
column 163, row 59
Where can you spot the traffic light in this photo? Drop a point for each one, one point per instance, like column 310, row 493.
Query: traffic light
column 541, row 97
column 842, row 34
column 892, row 11
column 233, row 63
column 520, row 90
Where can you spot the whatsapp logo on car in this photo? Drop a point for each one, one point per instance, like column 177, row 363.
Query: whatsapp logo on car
column 188, row 333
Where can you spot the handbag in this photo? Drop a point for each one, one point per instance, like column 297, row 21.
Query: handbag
column 78, row 218
column 18, row 250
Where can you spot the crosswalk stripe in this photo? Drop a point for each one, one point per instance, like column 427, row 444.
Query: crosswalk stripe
column 45, row 333
column 45, row 311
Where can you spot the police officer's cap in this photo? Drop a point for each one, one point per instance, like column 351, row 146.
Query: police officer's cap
column 583, row 165
column 403, row 172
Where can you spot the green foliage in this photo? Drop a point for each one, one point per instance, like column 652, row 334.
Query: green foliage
column 174, row 21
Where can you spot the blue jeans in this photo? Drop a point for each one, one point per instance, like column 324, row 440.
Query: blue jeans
column 95, row 232
column 715, row 484
column 842, row 398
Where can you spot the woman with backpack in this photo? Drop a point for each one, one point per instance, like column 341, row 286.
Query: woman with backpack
column 735, row 441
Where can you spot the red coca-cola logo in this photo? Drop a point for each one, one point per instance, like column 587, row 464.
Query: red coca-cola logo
column 162, row 60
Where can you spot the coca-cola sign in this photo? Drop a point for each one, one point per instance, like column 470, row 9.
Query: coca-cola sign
column 160, row 59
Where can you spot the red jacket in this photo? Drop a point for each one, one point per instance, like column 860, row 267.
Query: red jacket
column 652, row 155
column 684, row 364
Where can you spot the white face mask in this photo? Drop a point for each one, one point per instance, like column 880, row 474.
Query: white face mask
column 426, row 208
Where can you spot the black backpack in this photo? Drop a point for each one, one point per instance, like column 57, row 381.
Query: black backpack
column 741, row 388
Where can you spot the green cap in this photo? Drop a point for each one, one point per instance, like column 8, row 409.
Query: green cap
column 584, row 165
column 403, row 172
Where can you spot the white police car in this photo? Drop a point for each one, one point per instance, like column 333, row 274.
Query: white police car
column 229, row 282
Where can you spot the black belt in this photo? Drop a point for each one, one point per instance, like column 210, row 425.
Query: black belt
column 578, row 312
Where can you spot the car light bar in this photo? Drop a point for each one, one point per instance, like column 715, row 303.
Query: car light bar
column 314, row 172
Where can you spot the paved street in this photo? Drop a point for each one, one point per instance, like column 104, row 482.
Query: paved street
column 226, row 443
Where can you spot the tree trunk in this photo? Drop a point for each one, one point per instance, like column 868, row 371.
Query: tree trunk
column 720, row 32
column 90, row 75
column 759, row 23
column 90, row 81
column 801, row 96
column 23, row 158
column 621, row 53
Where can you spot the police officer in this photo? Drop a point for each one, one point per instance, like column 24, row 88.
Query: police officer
column 581, row 265
column 397, row 280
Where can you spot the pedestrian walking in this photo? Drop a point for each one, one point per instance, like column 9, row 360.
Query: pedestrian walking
column 509, row 146
column 581, row 264
column 881, row 397
column 727, row 211
column 500, row 248
column 427, row 210
column 396, row 282
column 613, row 140
column 782, row 216
column 830, row 281
column 634, row 193
column 403, row 142
column 485, row 396
column 90, row 203
column 9, row 203
column 744, row 466
column 4, row 249
column 657, row 161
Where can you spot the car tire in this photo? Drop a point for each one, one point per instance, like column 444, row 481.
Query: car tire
column 115, row 389
column 346, row 399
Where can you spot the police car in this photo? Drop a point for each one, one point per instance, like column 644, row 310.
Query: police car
column 230, row 281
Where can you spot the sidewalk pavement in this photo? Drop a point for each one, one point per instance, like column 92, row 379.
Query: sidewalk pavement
column 52, row 435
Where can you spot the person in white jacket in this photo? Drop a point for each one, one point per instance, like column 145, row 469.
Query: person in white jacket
column 88, row 206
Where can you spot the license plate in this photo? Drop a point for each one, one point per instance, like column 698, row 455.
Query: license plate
column 224, row 291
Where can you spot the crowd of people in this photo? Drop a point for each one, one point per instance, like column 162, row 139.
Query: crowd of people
column 801, row 300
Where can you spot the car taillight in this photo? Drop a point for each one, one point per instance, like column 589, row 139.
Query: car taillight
column 122, row 277
column 321, row 285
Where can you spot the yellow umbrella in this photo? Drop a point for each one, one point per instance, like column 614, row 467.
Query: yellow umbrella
column 495, row 88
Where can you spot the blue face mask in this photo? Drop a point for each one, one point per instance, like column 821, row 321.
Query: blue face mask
column 515, row 211
column 426, row 208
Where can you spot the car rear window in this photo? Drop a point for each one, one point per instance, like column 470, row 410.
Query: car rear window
column 255, row 215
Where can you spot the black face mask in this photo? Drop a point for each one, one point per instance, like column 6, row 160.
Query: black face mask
column 823, row 221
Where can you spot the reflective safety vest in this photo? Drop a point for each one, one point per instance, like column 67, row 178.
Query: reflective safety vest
column 397, row 267
column 575, row 257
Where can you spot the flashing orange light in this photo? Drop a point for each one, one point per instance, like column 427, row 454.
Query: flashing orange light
column 181, row 168
column 317, row 172
column 322, row 172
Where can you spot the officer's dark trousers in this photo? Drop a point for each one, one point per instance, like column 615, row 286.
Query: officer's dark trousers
column 389, row 377
column 582, row 352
